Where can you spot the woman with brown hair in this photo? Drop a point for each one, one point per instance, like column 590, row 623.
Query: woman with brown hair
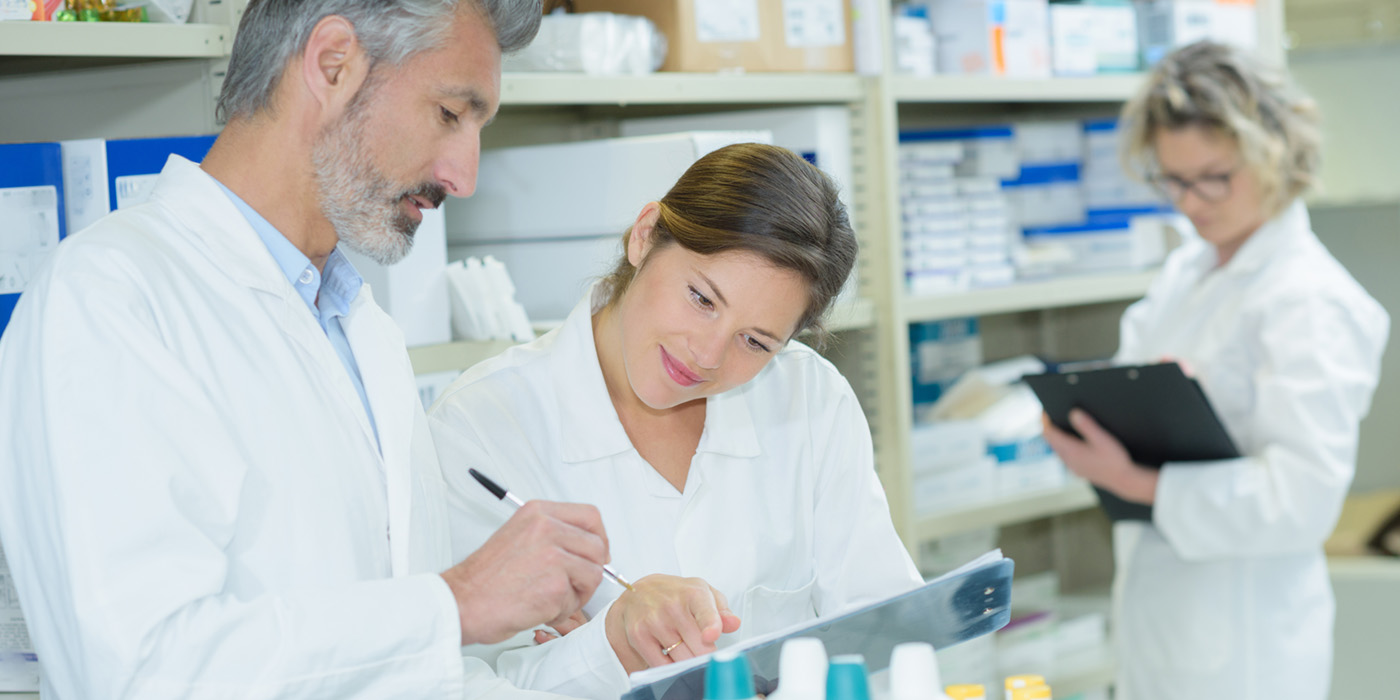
column 729, row 461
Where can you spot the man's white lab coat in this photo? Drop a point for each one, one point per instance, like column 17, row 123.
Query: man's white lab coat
column 191, row 499
column 782, row 511
column 1225, row 594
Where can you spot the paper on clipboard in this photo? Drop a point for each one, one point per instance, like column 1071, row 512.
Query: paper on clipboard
column 970, row 601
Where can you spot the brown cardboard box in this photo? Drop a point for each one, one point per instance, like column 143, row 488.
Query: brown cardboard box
column 692, row 44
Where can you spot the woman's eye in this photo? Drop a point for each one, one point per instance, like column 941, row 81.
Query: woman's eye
column 700, row 298
column 448, row 115
column 753, row 343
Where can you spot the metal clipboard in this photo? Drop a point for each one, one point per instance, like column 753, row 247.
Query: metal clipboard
column 943, row 612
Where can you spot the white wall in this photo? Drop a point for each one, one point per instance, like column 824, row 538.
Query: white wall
column 1358, row 90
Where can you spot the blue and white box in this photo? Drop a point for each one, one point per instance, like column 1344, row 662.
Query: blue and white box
column 32, row 212
column 101, row 176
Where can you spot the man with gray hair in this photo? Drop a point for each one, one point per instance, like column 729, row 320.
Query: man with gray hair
column 215, row 477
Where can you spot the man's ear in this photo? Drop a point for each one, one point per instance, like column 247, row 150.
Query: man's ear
column 639, row 242
column 333, row 65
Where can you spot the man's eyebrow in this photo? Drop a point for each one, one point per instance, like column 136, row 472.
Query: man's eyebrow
column 475, row 101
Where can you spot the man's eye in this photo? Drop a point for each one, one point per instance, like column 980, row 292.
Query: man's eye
column 448, row 115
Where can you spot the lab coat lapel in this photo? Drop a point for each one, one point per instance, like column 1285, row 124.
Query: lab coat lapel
column 388, row 378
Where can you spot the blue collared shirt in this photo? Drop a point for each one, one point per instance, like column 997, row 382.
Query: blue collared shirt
column 327, row 295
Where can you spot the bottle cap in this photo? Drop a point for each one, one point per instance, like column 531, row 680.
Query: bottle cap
column 966, row 691
column 845, row 678
column 728, row 677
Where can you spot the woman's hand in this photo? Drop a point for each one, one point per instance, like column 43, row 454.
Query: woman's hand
column 667, row 618
column 1101, row 459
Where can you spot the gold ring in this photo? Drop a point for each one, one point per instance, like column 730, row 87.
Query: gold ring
column 667, row 651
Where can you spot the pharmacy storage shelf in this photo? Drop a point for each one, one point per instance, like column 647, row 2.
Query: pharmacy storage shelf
column 1031, row 296
column 554, row 89
column 969, row 88
column 114, row 39
column 1006, row 511
column 458, row 356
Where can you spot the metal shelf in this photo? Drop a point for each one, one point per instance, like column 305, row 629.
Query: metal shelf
column 1032, row 296
column 972, row 88
column 113, row 39
column 1017, row 509
column 679, row 88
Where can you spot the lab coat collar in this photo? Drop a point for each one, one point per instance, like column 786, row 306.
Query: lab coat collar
column 1278, row 235
column 197, row 200
column 589, row 426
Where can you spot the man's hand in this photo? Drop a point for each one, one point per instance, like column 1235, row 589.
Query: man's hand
column 665, row 619
column 539, row 568
column 1101, row 459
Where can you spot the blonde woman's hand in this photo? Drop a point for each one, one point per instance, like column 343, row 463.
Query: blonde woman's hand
column 665, row 619
column 1100, row 458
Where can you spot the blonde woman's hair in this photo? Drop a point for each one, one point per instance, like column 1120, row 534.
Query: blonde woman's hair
column 1223, row 89
column 759, row 199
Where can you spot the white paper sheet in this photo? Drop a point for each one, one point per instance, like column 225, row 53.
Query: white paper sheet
column 726, row 20
column 813, row 23
column 29, row 233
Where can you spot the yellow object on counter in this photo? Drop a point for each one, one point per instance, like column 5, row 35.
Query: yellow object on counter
column 1034, row 692
column 969, row 691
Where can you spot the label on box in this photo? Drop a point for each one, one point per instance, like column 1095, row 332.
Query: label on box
column 726, row 20
column 134, row 189
column 15, row 10
column 31, row 233
column 813, row 23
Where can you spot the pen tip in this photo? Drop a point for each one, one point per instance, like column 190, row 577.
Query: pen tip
column 490, row 485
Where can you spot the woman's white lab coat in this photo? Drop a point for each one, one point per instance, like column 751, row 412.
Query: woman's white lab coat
column 1225, row 594
column 782, row 511
column 192, row 502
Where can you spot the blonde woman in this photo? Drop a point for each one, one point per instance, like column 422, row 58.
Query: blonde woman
column 1224, row 593
column 732, row 465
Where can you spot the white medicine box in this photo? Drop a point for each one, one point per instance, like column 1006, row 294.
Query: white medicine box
column 554, row 214
column 992, row 37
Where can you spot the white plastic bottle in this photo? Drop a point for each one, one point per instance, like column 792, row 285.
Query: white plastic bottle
column 801, row 670
column 914, row 673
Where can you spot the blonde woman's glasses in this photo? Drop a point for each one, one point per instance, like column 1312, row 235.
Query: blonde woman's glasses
column 1211, row 188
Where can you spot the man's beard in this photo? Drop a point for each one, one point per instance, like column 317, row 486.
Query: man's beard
column 364, row 206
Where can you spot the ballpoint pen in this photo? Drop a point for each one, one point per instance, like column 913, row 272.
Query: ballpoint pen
column 511, row 498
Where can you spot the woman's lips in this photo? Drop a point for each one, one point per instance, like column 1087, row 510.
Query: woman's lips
column 677, row 370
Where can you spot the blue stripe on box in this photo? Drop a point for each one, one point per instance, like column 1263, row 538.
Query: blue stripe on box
column 1045, row 174
column 963, row 134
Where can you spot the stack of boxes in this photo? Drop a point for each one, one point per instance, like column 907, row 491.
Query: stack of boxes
column 1038, row 38
column 1050, row 196
column 956, row 216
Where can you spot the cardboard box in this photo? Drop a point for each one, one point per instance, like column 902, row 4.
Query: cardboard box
column 750, row 35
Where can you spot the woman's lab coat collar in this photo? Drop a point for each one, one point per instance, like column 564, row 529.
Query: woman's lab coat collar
column 194, row 198
column 1277, row 235
column 589, row 426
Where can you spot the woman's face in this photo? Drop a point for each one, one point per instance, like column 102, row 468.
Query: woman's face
column 1223, row 200
column 694, row 325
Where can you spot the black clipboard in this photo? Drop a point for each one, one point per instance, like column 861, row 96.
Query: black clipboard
column 1157, row 412
column 943, row 612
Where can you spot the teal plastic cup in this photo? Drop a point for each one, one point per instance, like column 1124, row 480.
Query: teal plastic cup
column 728, row 677
column 845, row 679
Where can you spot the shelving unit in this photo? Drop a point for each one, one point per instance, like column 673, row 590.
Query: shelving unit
column 1031, row 296
column 114, row 40
column 679, row 88
column 959, row 88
